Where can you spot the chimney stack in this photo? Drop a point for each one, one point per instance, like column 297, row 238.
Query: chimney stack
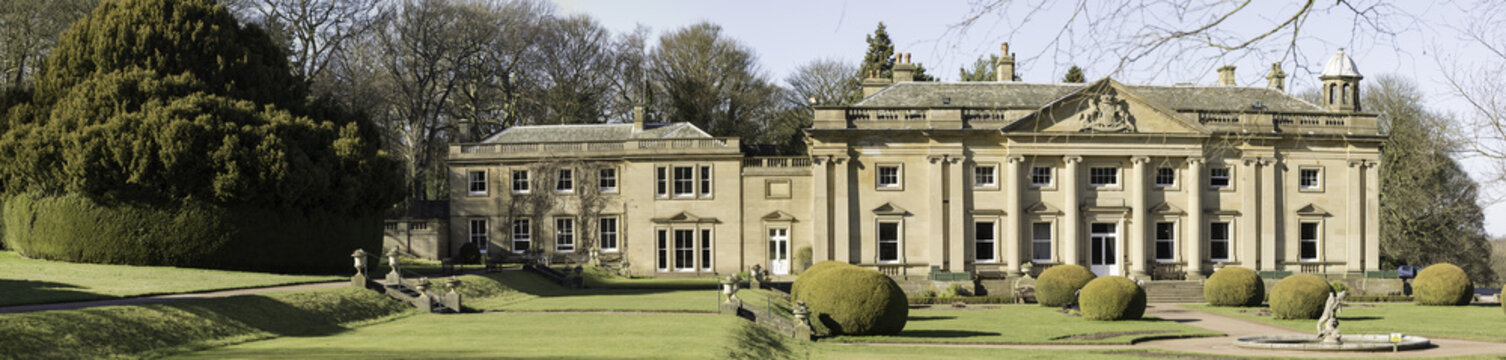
column 1226, row 75
column 904, row 71
column 873, row 83
column 1276, row 79
column 638, row 118
column 1004, row 69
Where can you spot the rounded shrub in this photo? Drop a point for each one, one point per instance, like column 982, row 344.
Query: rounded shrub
column 1112, row 298
column 809, row 275
column 468, row 254
column 1443, row 284
column 849, row 300
column 1300, row 296
column 1234, row 286
column 1058, row 285
column 1338, row 286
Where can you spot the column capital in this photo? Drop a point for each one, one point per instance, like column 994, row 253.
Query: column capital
column 954, row 159
column 1356, row 162
column 1196, row 160
column 1072, row 159
column 1371, row 163
column 935, row 158
column 1266, row 161
column 819, row 160
column 840, row 159
column 1014, row 159
column 1139, row 159
column 1251, row 160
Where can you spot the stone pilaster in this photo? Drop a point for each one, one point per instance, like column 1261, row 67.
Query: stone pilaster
column 1248, row 241
column 1072, row 207
column 957, row 239
column 936, row 210
column 1372, row 216
column 1193, row 238
column 1014, row 214
column 1139, row 219
column 1354, row 231
column 1269, row 237
column 841, row 210
column 821, row 240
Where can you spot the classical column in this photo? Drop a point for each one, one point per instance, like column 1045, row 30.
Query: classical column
column 936, row 211
column 1072, row 206
column 1193, row 237
column 1269, row 236
column 1249, row 213
column 957, row 220
column 1139, row 219
column 1372, row 216
column 821, row 208
column 1014, row 215
column 841, row 207
column 1354, row 233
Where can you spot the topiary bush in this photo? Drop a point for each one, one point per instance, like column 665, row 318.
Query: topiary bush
column 468, row 254
column 1443, row 284
column 849, row 300
column 1058, row 285
column 812, row 273
column 1234, row 286
column 1300, row 296
column 1112, row 298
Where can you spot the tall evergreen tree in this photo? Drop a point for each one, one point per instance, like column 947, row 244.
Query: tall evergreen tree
column 1074, row 75
column 880, row 55
column 983, row 69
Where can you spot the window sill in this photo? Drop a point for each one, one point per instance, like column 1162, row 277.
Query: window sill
column 1043, row 187
column 1310, row 190
column 994, row 187
column 516, row 192
column 1168, row 187
column 475, row 194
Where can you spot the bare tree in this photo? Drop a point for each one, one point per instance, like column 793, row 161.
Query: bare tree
column 28, row 30
column 1480, row 86
column 317, row 33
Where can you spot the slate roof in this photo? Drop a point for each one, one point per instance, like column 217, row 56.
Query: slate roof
column 1034, row 95
column 595, row 132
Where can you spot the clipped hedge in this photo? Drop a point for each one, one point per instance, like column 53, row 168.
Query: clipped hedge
column 1300, row 296
column 814, row 272
column 1112, row 298
column 849, row 300
column 1058, row 285
column 1234, row 286
column 190, row 234
column 1443, row 284
column 803, row 257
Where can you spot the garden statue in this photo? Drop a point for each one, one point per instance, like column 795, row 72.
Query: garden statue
column 729, row 287
column 360, row 257
column 1328, row 324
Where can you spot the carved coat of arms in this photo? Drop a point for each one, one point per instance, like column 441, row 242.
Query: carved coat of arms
column 1106, row 113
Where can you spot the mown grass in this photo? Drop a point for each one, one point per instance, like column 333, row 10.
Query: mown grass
column 160, row 329
column 1471, row 322
column 522, row 291
column 1022, row 324
column 601, row 278
column 30, row 281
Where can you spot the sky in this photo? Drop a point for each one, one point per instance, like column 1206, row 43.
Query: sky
column 1418, row 40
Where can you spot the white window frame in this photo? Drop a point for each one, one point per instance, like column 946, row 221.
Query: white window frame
column 475, row 179
column 676, row 264
column 610, row 235
column 606, row 179
column 1317, row 185
column 663, row 259
column 990, row 237
column 564, row 181
column 1158, row 178
column 1050, row 174
column 1228, row 178
column 481, row 237
column 1170, row 239
column 564, row 234
column 1228, row 240
column 1049, row 240
column 704, row 181
column 1316, row 241
column 522, row 232
column 706, row 249
column 897, row 241
column 988, row 172
column 520, row 184
column 676, row 181
column 899, row 176
column 1113, row 172
column 661, row 181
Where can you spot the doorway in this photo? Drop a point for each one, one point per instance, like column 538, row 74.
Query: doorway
column 1103, row 239
column 779, row 251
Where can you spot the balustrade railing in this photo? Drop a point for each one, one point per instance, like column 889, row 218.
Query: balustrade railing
column 599, row 146
column 776, row 162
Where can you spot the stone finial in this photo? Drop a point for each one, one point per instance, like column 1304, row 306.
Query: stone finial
column 1004, row 49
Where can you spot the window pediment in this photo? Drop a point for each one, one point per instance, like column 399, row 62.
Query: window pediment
column 779, row 216
column 685, row 217
column 889, row 209
column 1312, row 210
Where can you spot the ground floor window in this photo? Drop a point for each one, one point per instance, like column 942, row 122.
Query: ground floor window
column 522, row 235
column 564, row 235
column 1166, row 241
column 706, row 249
column 1040, row 241
column 684, row 250
column 1218, row 241
column 662, row 239
column 478, row 234
column 608, row 228
column 888, row 242
column 1309, row 239
column 983, row 241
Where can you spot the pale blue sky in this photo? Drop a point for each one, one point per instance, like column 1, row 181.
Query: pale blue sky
column 786, row 34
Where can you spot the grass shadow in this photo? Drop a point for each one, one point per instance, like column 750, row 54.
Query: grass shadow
column 946, row 334
column 930, row 318
column 29, row 292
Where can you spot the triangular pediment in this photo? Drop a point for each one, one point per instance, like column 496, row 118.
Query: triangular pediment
column 890, row 209
column 779, row 216
column 685, row 217
column 1167, row 209
column 1041, row 208
column 1311, row 210
column 1105, row 106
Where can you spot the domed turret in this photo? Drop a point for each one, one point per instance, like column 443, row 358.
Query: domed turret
column 1341, row 83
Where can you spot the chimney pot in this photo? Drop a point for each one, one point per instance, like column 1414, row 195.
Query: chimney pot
column 1226, row 75
column 1004, row 69
column 638, row 118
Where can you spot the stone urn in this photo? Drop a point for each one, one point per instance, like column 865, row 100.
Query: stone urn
column 360, row 258
column 422, row 285
column 392, row 259
column 452, row 284
column 729, row 287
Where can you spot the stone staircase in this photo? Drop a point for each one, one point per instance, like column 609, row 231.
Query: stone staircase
column 1175, row 292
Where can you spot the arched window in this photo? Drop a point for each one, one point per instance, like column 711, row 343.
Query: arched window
column 1346, row 93
column 1331, row 89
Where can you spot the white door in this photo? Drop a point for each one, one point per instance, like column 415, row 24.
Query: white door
column 1103, row 240
column 779, row 251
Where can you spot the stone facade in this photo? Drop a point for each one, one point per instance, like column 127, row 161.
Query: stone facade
column 930, row 179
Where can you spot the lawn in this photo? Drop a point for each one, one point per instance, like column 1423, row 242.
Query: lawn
column 601, row 278
column 1474, row 322
column 30, row 281
column 523, row 291
column 160, row 329
column 1023, row 324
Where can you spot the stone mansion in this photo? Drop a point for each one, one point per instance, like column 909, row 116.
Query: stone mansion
column 941, row 179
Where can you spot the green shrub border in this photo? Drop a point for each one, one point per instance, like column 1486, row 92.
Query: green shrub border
column 970, row 300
